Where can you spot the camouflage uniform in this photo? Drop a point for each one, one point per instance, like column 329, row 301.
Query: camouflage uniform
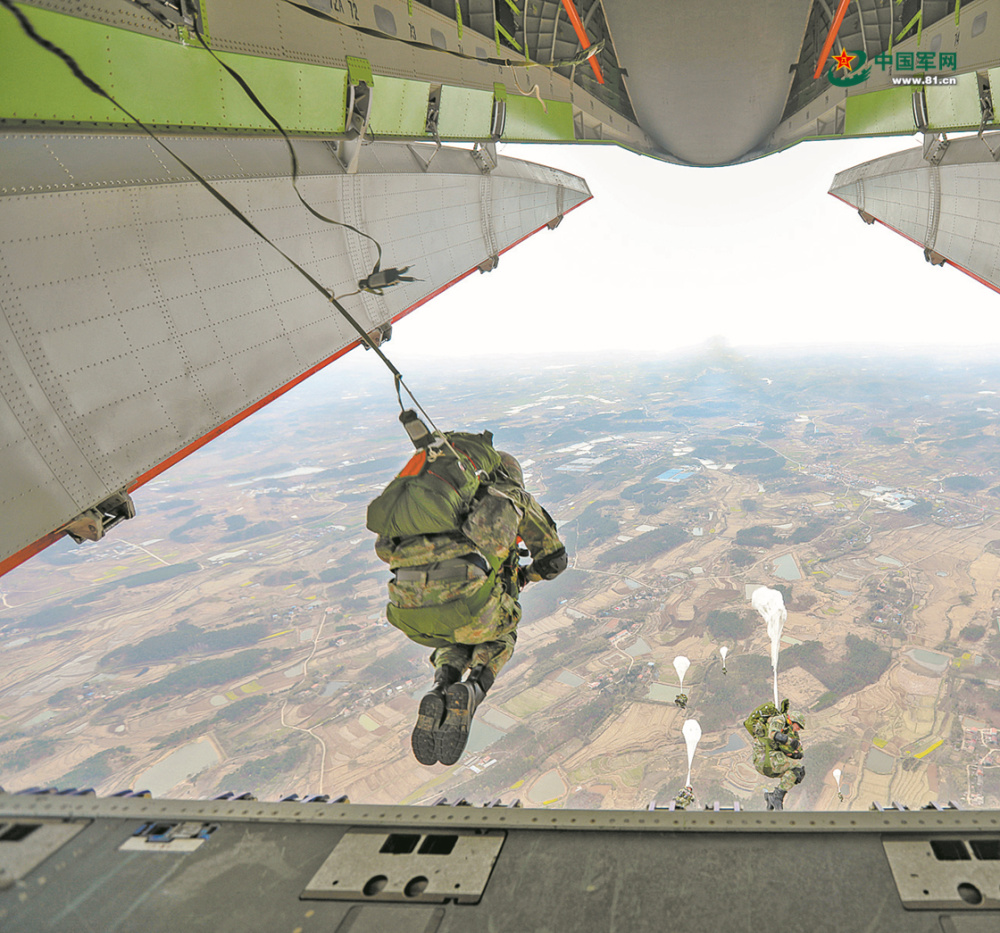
column 774, row 758
column 470, row 621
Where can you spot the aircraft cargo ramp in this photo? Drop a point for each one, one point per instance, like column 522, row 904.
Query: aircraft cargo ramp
column 72, row 862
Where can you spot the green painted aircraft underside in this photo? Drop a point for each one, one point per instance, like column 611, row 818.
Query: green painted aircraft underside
column 297, row 63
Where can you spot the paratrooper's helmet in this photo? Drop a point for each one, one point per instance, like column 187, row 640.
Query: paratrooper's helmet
column 795, row 716
column 511, row 467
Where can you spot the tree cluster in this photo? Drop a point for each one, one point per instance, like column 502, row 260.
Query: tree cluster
column 864, row 663
column 645, row 547
column 256, row 774
column 96, row 768
column 756, row 536
column 235, row 713
column 595, row 524
column 184, row 639
column 728, row 626
column 964, row 483
column 725, row 700
column 196, row 676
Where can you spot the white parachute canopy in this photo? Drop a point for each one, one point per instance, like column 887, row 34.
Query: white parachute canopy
column 836, row 776
column 681, row 665
column 723, row 651
column 692, row 736
column 771, row 606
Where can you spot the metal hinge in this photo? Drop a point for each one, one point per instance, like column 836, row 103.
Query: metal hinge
column 93, row 524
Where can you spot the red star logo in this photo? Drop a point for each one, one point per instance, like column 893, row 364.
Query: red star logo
column 844, row 60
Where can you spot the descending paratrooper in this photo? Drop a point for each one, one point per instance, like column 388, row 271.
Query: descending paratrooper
column 684, row 798
column 777, row 750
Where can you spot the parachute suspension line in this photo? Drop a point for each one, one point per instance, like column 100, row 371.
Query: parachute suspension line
column 578, row 59
column 94, row 87
column 238, row 78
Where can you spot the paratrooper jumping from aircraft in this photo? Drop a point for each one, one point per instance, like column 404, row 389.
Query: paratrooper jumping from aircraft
column 777, row 750
column 454, row 527
column 684, row 798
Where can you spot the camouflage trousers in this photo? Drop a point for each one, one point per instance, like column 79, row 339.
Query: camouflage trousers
column 774, row 764
column 487, row 641
column 469, row 622
column 491, row 654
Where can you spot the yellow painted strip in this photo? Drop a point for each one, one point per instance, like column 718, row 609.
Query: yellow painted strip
column 287, row 631
column 929, row 750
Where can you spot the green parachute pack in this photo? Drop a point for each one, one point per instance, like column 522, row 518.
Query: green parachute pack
column 434, row 492
column 756, row 722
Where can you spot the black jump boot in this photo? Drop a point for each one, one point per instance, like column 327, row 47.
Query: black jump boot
column 431, row 715
column 461, row 701
column 775, row 798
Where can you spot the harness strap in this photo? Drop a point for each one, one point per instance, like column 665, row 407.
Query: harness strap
column 468, row 567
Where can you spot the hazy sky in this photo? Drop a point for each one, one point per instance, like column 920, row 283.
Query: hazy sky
column 666, row 257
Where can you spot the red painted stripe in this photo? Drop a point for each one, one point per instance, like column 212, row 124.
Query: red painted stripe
column 831, row 36
column 906, row 236
column 31, row 550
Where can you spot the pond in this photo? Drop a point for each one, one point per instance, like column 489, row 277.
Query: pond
column 662, row 693
column 178, row 766
column 878, row 761
column 736, row 743
column 639, row 648
column 932, row 660
column 495, row 718
column 786, row 568
column 481, row 737
column 550, row 786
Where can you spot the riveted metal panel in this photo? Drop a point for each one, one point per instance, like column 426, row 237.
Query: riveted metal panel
column 880, row 112
column 960, row 881
column 953, row 208
column 527, row 120
column 182, row 85
column 138, row 316
column 26, row 844
column 399, row 107
column 994, row 76
column 435, row 868
column 465, row 113
column 952, row 106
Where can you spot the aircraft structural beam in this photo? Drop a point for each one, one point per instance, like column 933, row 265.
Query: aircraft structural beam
column 237, row 865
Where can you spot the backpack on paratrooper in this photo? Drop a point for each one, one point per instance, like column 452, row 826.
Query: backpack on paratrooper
column 756, row 722
column 435, row 492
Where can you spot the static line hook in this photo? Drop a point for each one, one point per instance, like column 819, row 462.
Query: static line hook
column 381, row 279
